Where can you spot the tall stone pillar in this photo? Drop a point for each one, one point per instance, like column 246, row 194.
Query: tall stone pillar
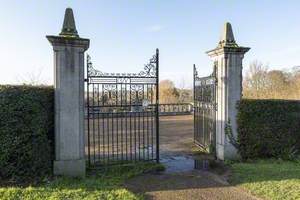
column 228, row 59
column 69, row 51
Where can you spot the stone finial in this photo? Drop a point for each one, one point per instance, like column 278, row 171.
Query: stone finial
column 69, row 27
column 227, row 38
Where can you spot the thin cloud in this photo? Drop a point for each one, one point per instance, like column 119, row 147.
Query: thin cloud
column 154, row 28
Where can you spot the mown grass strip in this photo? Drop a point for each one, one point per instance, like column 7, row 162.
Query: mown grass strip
column 270, row 179
column 102, row 184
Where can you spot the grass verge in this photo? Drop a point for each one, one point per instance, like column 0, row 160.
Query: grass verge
column 269, row 179
column 102, row 184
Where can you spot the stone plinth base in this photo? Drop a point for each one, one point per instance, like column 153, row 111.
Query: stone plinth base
column 73, row 168
column 226, row 152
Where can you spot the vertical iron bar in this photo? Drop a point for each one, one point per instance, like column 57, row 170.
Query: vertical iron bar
column 147, row 115
column 135, row 128
column 117, row 119
column 112, row 136
column 126, row 121
column 157, row 103
column 130, row 119
column 88, row 112
column 215, row 108
column 98, row 125
column 103, row 124
column 94, row 140
column 139, row 133
column 122, row 133
column 107, row 123
column 143, row 113
column 152, row 124
column 194, row 96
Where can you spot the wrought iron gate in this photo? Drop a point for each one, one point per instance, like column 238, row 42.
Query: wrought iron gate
column 122, row 118
column 204, row 110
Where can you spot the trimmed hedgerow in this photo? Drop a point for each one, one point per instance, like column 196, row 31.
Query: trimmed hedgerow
column 268, row 128
column 26, row 132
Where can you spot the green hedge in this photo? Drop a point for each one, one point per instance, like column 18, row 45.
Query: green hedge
column 26, row 132
column 268, row 128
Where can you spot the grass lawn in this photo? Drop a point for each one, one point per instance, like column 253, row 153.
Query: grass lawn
column 105, row 184
column 269, row 179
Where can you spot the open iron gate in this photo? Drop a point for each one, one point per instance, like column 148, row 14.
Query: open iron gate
column 122, row 118
column 205, row 110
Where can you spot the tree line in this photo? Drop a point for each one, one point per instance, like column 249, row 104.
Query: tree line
column 259, row 82
column 168, row 93
column 262, row 83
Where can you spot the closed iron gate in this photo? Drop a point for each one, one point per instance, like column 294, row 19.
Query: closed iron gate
column 204, row 110
column 122, row 119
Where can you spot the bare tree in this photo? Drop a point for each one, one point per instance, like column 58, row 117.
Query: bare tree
column 278, row 84
column 185, row 95
column 168, row 92
column 295, row 82
column 33, row 78
column 255, row 81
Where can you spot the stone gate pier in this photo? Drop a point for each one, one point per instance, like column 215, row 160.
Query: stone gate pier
column 69, row 51
column 228, row 61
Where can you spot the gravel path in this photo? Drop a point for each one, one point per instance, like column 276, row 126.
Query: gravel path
column 176, row 135
column 182, row 182
column 192, row 185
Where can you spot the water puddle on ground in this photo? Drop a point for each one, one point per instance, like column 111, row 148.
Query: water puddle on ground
column 184, row 164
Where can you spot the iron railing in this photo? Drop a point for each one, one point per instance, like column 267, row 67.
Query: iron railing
column 165, row 109
column 175, row 109
column 122, row 123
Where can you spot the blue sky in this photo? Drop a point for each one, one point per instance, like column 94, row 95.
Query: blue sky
column 124, row 34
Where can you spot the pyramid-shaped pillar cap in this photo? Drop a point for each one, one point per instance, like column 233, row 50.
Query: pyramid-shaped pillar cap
column 227, row 37
column 227, row 43
column 69, row 27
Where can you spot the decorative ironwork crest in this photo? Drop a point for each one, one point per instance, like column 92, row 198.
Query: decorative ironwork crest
column 150, row 70
column 90, row 69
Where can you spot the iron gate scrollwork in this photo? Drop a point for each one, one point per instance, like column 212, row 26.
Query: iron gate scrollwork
column 122, row 116
column 205, row 110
